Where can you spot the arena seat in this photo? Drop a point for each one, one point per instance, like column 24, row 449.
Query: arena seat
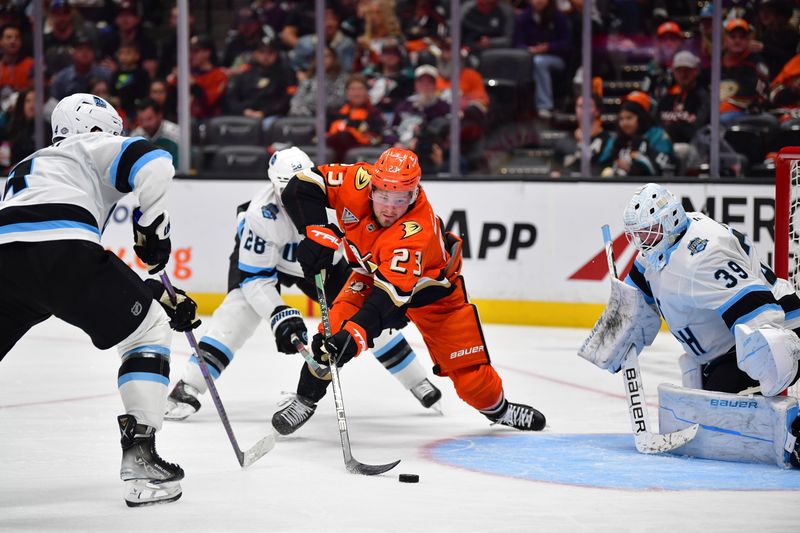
column 247, row 159
column 233, row 130
column 292, row 131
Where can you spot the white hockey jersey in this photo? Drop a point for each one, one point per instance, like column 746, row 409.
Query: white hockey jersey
column 68, row 190
column 267, row 244
column 712, row 281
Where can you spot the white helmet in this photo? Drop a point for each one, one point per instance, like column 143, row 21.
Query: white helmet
column 84, row 113
column 654, row 220
column 284, row 164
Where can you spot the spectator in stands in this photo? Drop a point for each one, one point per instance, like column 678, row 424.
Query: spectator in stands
column 168, row 43
column 343, row 45
column 261, row 91
column 272, row 14
column 304, row 100
column 422, row 21
column 208, row 82
column 744, row 77
column 75, row 78
column 380, row 23
column 543, row 30
column 131, row 82
column 686, row 107
column 568, row 152
column 299, row 21
column 16, row 69
column 156, row 129
column 776, row 39
column 419, row 110
column 242, row 41
column 357, row 122
column 160, row 93
column 102, row 87
column 486, row 24
column 390, row 81
column 129, row 32
column 63, row 36
column 659, row 71
column 785, row 88
column 21, row 127
column 640, row 148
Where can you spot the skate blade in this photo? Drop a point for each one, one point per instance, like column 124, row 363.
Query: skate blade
column 141, row 492
column 437, row 407
column 178, row 411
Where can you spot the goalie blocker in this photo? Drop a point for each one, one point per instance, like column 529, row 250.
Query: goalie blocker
column 752, row 429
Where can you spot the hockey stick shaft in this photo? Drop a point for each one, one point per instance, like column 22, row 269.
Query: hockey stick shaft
column 261, row 447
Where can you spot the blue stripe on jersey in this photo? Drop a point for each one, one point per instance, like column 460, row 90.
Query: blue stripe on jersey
column 636, row 279
column 153, row 348
column 391, row 344
column 791, row 315
column 219, row 346
column 402, row 364
column 47, row 225
column 250, row 269
column 240, row 228
column 250, row 278
column 747, row 304
column 112, row 173
column 142, row 376
column 143, row 160
column 739, row 295
column 754, row 313
column 211, row 369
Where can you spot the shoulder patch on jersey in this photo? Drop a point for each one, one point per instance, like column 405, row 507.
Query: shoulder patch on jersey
column 410, row 228
column 348, row 217
column 269, row 211
column 697, row 245
column 362, row 178
column 357, row 287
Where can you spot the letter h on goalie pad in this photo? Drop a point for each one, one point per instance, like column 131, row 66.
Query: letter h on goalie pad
column 751, row 429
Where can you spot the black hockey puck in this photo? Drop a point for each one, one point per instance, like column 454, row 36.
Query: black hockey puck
column 409, row 478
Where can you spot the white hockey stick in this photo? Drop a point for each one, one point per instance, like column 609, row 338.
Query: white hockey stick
column 257, row 450
column 646, row 442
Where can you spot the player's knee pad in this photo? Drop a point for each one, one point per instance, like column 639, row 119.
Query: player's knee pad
column 153, row 331
column 769, row 355
column 691, row 372
column 479, row 386
column 233, row 322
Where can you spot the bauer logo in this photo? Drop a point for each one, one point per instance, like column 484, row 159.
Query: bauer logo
column 735, row 404
column 467, row 351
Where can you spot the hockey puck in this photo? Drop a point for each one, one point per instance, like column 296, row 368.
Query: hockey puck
column 409, row 478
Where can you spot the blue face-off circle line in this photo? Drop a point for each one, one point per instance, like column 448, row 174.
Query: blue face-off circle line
column 603, row 461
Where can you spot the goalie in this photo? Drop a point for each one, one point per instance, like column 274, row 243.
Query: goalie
column 737, row 322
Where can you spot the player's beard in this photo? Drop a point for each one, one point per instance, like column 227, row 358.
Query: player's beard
column 386, row 216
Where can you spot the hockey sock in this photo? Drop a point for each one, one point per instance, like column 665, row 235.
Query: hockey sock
column 399, row 359
column 311, row 386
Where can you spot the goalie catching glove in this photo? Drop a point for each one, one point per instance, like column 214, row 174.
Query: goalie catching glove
column 315, row 252
column 152, row 243
column 627, row 320
column 768, row 354
column 182, row 314
column 285, row 322
column 347, row 343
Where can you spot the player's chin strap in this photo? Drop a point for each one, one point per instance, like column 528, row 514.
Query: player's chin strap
column 260, row 448
column 646, row 441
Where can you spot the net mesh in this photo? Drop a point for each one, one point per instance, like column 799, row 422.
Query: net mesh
column 794, row 222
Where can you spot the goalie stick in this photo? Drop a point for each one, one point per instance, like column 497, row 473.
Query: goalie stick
column 260, row 448
column 353, row 466
column 646, row 442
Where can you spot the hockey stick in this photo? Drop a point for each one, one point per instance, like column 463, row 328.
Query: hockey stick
column 322, row 372
column 260, row 448
column 353, row 466
column 646, row 442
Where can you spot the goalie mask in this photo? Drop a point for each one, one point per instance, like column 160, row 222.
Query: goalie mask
column 654, row 220
column 284, row 164
column 84, row 113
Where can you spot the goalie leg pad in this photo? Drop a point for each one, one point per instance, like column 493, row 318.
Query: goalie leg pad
column 627, row 320
column 691, row 372
column 752, row 429
column 768, row 354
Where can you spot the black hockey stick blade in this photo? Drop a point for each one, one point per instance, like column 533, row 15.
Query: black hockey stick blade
column 355, row 467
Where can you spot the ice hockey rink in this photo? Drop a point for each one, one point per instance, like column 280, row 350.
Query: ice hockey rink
column 59, row 450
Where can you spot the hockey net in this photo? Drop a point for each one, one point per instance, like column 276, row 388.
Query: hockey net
column 786, row 258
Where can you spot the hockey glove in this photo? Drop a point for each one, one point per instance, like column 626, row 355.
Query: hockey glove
column 343, row 346
column 182, row 314
column 151, row 243
column 315, row 252
column 285, row 322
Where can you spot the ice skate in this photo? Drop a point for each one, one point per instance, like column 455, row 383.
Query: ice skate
column 148, row 478
column 522, row 417
column 428, row 395
column 182, row 402
column 296, row 413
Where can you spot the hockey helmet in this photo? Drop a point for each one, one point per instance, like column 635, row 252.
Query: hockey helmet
column 397, row 170
column 84, row 113
column 284, row 164
column 654, row 220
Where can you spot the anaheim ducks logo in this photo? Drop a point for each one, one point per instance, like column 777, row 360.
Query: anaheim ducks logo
column 356, row 287
column 362, row 178
column 410, row 228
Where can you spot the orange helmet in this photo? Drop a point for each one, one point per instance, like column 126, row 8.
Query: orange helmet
column 397, row 169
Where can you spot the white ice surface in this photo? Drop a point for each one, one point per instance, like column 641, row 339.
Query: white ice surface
column 59, row 450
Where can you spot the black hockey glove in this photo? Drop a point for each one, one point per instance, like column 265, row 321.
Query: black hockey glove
column 182, row 314
column 151, row 243
column 285, row 322
column 315, row 252
column 343, row 346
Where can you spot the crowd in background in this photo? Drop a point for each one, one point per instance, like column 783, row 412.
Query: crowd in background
column 388, row 71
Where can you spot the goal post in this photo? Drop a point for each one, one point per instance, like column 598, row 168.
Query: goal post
column 787, row 208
